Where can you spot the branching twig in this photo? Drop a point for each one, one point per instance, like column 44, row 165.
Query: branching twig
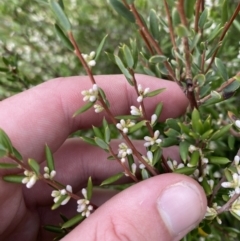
column 197, row 11
column 225, row 29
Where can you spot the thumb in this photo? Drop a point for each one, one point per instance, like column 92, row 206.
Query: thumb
column 165, row 208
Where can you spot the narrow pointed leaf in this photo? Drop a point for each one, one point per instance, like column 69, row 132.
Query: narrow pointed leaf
column 13, row 178
column 218, row 160
column 5, row 143
column 73, row 221
column 100, row 47
column 107, row 134
column 53, row 229
column 154, row 24
column 34, row 165
column 137, row 126
column 89, row 140
column 122, row 10
column 112, row 179
column 67, row 43
column 89, row 188
column 184, row 150
column 97, row 132
column 222, row 131
column 221, row 69
column 155, row 92
column 185, row 170
column 101, row 143
column 196, row 122
column 60, row 15
column 158, row 110
column 157, row 59
column 8, row 165
column 58, row 203
column 128, row 56
column 203, row 18
column 83, row 108
column 145, row 174
column 17, row 154
column 49, row 158
column 170, row 141
column 194, row 159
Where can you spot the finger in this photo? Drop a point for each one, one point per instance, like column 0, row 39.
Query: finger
column 76, row 161
column 43, row 114
column 165, row 207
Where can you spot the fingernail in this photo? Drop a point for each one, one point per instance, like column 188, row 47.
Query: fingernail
column 181, row 207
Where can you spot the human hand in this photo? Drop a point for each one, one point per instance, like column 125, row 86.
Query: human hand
column 165, row 207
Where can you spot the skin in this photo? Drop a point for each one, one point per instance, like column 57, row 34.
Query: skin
column 42, row 115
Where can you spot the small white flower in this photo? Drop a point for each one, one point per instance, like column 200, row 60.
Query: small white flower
column 30, row 178
column 237, row 123
column 98, row 108
column 89, row 59
column 212, row 213
column 235, row 183
column 148, row 159
column 173, row 165
column 57, row 194
column 123, row 151
column 152, row 140
column 136, row 111
column 91, row 94
column 124, row 125
column 48, row 174
column 153, row 119
column 235, row 208
column 142, row 93
column 236, row 160
column 83, row 205
column 134, row 168
column 192, row 148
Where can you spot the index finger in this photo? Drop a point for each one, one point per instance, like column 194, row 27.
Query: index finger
column 44, row 113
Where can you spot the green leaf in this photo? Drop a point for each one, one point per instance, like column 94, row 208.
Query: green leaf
column 58, row 203
column 157, row 59
column 158, row 110
column 224, row 14
column 184, row 146
column 182, row 31
column 185, row 170
column 53, row 229
column 194, row 159
column 221, row 69
column 17, row 154
column 231, row 142
column 13, row 178
column 195, row 41
column 145, row 174
column 214, row 34
column 134, row 49
column 154, row 24
column 107, row 134
column 206, row 135
column 73, row 221
column 172, row 123
column 89, row 140
column 5, row 143
column 218, row 160
column 83, row 108
column 49, row 158
column 123, row 69
column 203, row 18
column 60, row 15
column 98, row 133
column 137, row 126
column 222, row 131
column 196, row 122
column 67, row 43
column 8, row 165
column 231, row 89
column 122, row 10
column 155, row 92
column 156, row 156
column 206, row 186
column 170, row 141
column 89, row 188
column 189, row 8
column 130, row 161
column 112, row 179
column 199, row 79
column 34, row 165
column 128, row 56
column 101, row 143
column 100, row 47
column 171, row 133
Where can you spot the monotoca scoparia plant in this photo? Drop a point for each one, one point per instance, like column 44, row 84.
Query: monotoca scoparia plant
column 193, row 43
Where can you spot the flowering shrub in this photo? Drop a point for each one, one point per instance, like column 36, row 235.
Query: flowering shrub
column 196, row 57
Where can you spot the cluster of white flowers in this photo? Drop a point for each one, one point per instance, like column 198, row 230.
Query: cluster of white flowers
column 173, row 164
column 235, row 208
column 98, row 108
column 123, row 151
column 57, row 194
column 91, row 94
column 48, row 174
column 89, row 58
column 136, row 111
column 150, row 141
column 211, row 213
column 148, row 159
column 30, row 178
column 235, row 183
column 124, row 125
column 83, row 204
column 142, row 93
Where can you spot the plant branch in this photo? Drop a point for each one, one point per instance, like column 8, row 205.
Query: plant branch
column 224, row 85
column 197, row 11
column 227, row 206
column 225, row 29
